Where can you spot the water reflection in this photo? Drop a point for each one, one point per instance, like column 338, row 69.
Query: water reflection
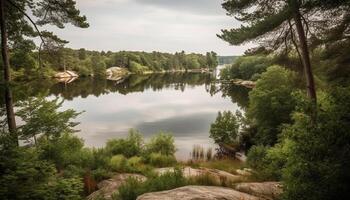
column 184, row 104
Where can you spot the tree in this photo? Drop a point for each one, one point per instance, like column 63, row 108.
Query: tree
column 82, row 54
column 15, row 27
column 224, row 131
column 42, row 117
column 271, row 103
column 279, row 23
column 312, row 171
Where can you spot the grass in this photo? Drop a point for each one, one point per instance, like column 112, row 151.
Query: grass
column 226, row 164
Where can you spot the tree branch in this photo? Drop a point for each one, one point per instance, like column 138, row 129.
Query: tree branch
column 35, row 26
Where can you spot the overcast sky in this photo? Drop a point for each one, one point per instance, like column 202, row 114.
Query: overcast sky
column 152, row 25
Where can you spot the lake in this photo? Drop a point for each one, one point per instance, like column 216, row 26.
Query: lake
column 184, row 104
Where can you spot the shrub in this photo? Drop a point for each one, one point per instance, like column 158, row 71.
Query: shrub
column 63, row 151
column 100, row 174
column 318, row 156
column 260, row 160
column 204, row 179
column 119, row 163
column 271, row 104
column 129, row 147
column 224, row 131
column 161, row 143
column 160, row 160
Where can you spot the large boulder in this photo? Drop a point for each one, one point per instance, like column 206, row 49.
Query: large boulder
column 265, row 190
column 108, row 187
column 116, row 73
column 66, row 74
column 198, row 193
column 217, row 175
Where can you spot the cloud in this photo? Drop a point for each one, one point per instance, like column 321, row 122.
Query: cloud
column 148, row 25
column 204, row 7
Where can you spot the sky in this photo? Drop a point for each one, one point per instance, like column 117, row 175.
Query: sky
column 152, row 25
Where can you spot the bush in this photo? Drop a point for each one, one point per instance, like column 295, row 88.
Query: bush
column 224, row 131
column 63, row 151
column 25, row 176
column 318, row 159
column 134, row 162
column 129, row 147
column 271, row 103
column 161, row 143
column 119, row 163
column 160, row 160
column 265, row 162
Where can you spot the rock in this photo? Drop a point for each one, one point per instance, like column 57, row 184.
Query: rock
column 66, row 74
column 218, row 175
column 198, row 193
column 110, row 186
column 248, row 84
column 244, row 172
column 265, row 190
column 116, row 73
column 66, row 77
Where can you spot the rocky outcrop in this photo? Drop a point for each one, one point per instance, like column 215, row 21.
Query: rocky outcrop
column 108, row 187
column 217, row 175
column 66, row 76
column 116, row 73
column 248, row 84
column 265, row 190
column 244, row 172
column 198, row 193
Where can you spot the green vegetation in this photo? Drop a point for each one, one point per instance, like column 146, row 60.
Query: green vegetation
column 133, row 187
column 247, row 67
column 55, row 166
column 301, row 140
column 223, row 60
column 224, row 132
column 94, row 63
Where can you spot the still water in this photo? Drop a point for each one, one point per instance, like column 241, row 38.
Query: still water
column 184, row 104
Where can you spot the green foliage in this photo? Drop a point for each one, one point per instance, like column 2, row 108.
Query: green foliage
column 41, row 116
column 137, row 68
column 129, row 147
column 67, row 189
column 119, row 163
column 271, row 103
column 162, row 143
column 246, row 67
column 161, row 160
column 63, row 151
column 224, row 131
column 134, row 188
column 99, row 66
column 267, row 162
column 26, row 176
column 318, row 160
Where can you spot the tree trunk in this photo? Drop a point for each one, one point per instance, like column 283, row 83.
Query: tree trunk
column 7, row 77
column 305, row 57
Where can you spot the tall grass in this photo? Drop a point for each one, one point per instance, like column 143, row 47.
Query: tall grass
column 199, row 153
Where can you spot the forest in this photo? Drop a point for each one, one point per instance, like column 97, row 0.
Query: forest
column 293, row 125
column 94, row 63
